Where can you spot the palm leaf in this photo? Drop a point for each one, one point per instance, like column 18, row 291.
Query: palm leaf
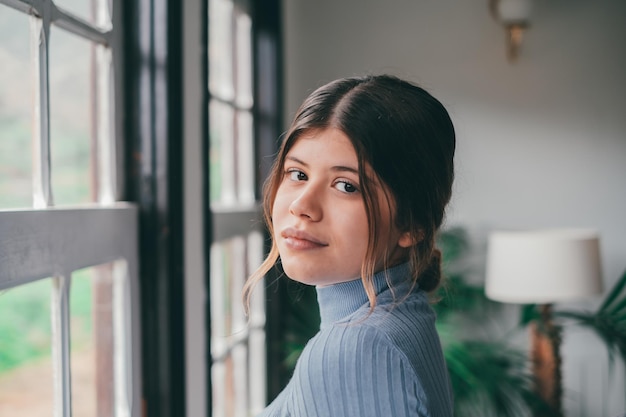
column 456, row 295
column 453, row 244
column 617, row 309
column 302, row 321
column 490, row 378
column 608, row 322
column 614, row 294
column 528, row 314
column 609, row 328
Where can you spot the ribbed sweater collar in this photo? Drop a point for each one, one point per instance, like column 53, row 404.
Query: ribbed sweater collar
column 338, row 301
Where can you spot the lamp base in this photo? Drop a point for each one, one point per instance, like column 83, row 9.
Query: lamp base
column 514, row 36
column 546, row 359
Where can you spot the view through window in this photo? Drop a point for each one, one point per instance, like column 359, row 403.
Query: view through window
column 68, row 250
column 238, row 375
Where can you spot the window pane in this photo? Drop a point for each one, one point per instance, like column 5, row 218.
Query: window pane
column 256, row 324
column 243, row 27
column 25, row 351
column 221, row 49
column 228, row 328
column 70, row 118
column 222, row 153
column 240, row 379
column 237, row 344
column 245, row 158
column 91, row 321
column 15, row 110
column 78, row 8
column 220, row 322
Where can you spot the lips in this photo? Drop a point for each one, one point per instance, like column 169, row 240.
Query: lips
column 299, row 239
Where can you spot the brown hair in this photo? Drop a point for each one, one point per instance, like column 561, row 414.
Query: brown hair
column 406, row 136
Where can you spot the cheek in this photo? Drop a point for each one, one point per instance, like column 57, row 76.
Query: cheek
column 280, row 207
column 353, row 220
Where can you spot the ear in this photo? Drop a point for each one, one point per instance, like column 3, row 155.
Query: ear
column 406, row 240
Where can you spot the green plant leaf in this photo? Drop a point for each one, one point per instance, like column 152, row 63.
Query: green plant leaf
column 453, row 244
column 608, row 322
column 490, row 378
column 614, row 293
column 528, row 314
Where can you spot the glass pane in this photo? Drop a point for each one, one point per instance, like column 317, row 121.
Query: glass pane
column 220, row 300
column 256, row 324
column 238, row 371
column 79, row 8
column 103, row 148
column 70, row 118
column 245, row 158
column 228, row 377
column 221, row 49
column 222, row 153
column 25, row 351
column 15, row 110
column 91, row 321
column 243, row 26
column 240, row 379
column 220, row 319
column 229, row 328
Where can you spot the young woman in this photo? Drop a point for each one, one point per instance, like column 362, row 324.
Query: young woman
column 353, row 202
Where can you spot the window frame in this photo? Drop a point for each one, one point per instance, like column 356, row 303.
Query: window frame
column 148, row 60
column 53, row 242
column 227, row 222
column 236, row 344
column 152, row 93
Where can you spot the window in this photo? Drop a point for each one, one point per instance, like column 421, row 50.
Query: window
column 69, row 261
column 238, row 376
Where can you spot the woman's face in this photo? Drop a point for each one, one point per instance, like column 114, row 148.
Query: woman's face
column 319, row 218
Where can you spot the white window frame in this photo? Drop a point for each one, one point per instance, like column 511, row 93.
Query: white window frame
column 52, row 242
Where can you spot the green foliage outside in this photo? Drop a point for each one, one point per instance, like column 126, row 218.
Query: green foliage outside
column 25, row 320
column 24, row 324
column 25, row 311
column 15, row 163
column 25, row 328
column 70, row 159
column 70, row 102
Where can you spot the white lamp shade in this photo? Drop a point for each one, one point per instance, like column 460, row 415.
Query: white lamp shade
column 543, row 266
column 514, row 11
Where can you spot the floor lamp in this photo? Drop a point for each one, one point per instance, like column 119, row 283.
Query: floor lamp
column 543, row 267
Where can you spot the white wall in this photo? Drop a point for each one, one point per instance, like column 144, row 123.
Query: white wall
column 541, row 142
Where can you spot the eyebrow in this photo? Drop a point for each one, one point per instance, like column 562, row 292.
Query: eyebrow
column 340, row 168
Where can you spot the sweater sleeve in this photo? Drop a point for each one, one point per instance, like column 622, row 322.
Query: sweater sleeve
column 357, row 370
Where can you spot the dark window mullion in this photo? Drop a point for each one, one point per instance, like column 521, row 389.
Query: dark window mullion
column 267, row 51
column 153, row 81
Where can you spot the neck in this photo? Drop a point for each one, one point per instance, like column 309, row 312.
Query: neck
column 338, row 301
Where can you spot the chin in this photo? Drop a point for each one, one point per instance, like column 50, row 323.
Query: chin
column 295, row 274
column 316, row 276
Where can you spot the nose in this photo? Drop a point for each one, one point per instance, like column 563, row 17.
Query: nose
column 308, row 204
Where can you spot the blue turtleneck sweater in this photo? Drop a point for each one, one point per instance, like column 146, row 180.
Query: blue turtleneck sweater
column 388, row 363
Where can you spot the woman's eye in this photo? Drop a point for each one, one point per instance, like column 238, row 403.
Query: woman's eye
column 296, row 175
column 346, row 187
